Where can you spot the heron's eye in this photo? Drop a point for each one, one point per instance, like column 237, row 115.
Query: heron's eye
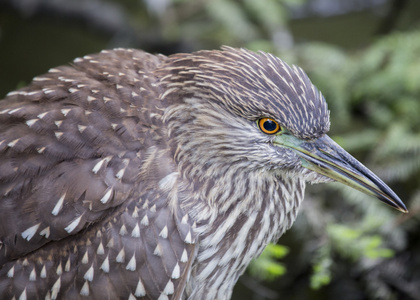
column 268, row 126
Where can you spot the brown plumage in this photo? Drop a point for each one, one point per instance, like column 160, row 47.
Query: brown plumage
column 128, row 175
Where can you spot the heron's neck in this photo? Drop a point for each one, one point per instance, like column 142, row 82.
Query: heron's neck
column 235, row 224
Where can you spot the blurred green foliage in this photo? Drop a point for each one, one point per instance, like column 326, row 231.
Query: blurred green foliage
column 321, row 267
column 267, row 267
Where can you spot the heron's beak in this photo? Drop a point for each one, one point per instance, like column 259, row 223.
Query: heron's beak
column 326, row 157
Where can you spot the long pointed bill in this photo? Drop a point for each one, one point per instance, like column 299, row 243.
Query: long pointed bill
column 327, row 158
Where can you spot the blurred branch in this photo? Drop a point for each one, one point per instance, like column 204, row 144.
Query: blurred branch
column 389, row 22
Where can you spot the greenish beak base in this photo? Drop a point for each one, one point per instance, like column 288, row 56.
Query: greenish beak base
column 327, row 158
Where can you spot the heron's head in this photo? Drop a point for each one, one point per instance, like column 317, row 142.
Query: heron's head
column 236, row 110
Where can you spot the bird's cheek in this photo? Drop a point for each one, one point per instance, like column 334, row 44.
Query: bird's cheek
column 285, row 158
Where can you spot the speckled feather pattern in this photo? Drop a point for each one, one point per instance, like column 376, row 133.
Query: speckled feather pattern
column 133, row 176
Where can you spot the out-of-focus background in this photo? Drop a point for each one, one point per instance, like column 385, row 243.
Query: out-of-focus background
column 364, row 55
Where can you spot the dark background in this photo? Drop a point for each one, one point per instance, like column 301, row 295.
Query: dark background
column 365, row 58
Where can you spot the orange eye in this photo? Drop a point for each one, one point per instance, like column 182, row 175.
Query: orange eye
column 268, row 126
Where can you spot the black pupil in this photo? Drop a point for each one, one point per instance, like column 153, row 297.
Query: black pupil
column 270, row 125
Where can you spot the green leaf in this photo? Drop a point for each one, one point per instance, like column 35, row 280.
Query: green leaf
column 266, row 267
column 321, row 268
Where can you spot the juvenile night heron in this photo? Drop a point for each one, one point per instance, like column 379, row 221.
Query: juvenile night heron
column 128, row 175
